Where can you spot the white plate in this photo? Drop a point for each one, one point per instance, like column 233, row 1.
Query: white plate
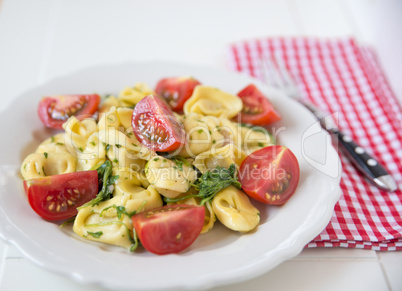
column 216, row 258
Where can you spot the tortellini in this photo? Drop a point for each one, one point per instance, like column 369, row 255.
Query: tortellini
column 245, row 137
column 101, row 222
column 93, row 154
column 222, row 157
column 202, row 134
column 120, row 156
column 213, row 102
column 143, row 199
column 128, row 180
column 132, row 95
column 113, row 137
column 107, row 104
column 77, row 133
column 53, row 144
column 170, row 178
column 107, row 228
column 40, row 165
column 125, row 115
column 109, row 119
column 234, row 210
column 118, row 118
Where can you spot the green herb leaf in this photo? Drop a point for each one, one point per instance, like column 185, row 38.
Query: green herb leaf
column 180, row 161
column 113, row 179
column 120, row 211
column 97, row 234
column 45, row 154
column 134, row 240
column 212, row 182
column 105, row 184
column 67, row 222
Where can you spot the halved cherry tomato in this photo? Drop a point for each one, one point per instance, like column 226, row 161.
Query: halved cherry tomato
column 257, row 109
column 270, row 175
column 169, row 229
column 155, row 125
column 176, row 91
column 57, row 197
column 55, row 110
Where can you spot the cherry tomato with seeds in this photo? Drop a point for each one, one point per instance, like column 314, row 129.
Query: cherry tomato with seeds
column 257, row 109
column 57, row 197
column 270, row 175
column 170, row 228
column 176, row 91
column 55, row 110
column 155, row 125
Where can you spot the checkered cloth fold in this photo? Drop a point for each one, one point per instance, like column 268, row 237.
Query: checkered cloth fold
column 341, row 76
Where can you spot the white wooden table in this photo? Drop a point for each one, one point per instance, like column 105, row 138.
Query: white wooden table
column 42, row 39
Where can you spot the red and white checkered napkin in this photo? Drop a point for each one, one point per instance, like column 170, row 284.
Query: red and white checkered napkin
column 340, row 76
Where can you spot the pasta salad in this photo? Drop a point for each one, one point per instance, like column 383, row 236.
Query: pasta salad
column 158, row 167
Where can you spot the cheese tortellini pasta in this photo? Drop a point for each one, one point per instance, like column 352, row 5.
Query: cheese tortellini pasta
column 132, row 95
column 234, row 209
column 222, row 157
column 101, row 223
column 211, row 101
column 170, row 178
column 202, row 134
column 40, row 165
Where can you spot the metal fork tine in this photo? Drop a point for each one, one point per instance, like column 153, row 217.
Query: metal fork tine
column 285, row 73
column 274, row 77
column 264, row 69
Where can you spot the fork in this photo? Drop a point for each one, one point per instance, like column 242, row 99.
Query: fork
column 276, row 75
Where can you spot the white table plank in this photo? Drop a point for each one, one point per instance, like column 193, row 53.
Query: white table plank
column 391, row 263
column 23, row 35
column 296, row 274
column 379, row 22
column 323, row 18
column 129, row 30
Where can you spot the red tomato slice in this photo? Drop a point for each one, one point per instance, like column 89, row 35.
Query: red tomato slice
column 155, row 125
column 169, row 229
column 57, row 197
column 176, row 91
column 257, row 109
column 270, row 175
column 55, row 110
